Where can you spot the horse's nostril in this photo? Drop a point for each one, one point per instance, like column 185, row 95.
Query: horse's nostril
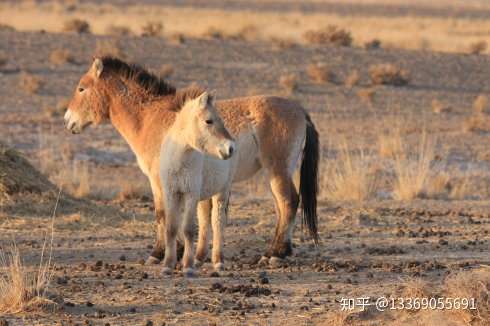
column 230, row 150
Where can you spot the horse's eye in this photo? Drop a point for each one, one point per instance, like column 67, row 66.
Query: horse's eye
column 209, row 122
column 81, row 89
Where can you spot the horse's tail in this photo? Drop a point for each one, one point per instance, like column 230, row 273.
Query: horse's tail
column 308, row 185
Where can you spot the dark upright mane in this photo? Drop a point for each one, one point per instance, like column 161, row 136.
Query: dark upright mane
column 186, row 94
column 148, row 81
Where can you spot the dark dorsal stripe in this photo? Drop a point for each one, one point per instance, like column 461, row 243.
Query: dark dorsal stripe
column 148, row 81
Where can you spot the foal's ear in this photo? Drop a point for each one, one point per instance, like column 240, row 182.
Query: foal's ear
column 97, row 67
column 202, row 100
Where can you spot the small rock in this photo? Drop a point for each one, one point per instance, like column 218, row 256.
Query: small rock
column 148, row 323
column 122, row 258
column 264, row 280
column 89, row 304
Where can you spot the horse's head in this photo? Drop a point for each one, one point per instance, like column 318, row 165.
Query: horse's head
column 89, row 103
column 204, row 129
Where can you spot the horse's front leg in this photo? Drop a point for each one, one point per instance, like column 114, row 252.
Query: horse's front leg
column 173, row 204
column 188, row 228
column 218, row 220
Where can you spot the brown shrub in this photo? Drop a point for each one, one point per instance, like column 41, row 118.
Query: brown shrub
column 439, row 107
column 478, row 47
column 282, row 44
column 320, row 73
column 477, row 122
column 388, row 74
column 77, row 26
column 353, row 79
column 166, row 70
column 177, row 38
column 247, row 33
column 329, row 35
column 288, row 82
column 116, row 30
column 5, row 28
column 213, row 33
column 3, row 59
column 109, row 47
column 480, row 104
column 61, row 56
column 152, row 29
column 367, row 95
column 30, row 83
column 372, row 45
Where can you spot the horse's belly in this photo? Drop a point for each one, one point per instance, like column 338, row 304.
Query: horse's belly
column 248, row 162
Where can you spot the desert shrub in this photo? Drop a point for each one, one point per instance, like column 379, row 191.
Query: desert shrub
column 117, row 30
column 213, row 33
column 282, row 44
column 166, row 70
column 367, row 95
column 77, row 26
column 152, row 29
column 30, row 83
column 480, row 104
column 61, row 56
column 388, row 74
column 247, row 33
column 3, row 59
column 288, row 82
column 353, row 79
column 476, row 122
column 372, row 45
column 330, row 35
column 177, row 38
column 5, row 28
column 320, row 73
column 439, row 107
column 478, row 47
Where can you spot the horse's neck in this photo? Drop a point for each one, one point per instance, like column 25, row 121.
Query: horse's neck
column 177, row 153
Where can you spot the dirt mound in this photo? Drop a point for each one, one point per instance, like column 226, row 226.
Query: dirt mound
column 26, row 191
column 18, row 177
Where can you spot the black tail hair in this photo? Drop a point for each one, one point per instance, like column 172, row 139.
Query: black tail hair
column 308, row 185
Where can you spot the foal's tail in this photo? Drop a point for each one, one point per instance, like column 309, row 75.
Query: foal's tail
column 308, row 185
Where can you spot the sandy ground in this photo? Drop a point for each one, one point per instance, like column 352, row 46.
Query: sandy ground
column 372, row 248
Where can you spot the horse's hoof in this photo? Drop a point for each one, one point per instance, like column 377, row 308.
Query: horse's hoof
column 264, row 261
column 198, row 263
column 167, row 271
column 189, row 272
column 219, row 267
column 152, row 261
column 276, row 262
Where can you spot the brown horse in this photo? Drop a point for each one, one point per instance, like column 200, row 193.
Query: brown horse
column 274, row 133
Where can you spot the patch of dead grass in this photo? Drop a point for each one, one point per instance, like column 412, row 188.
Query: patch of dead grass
column 478, row 47
column 30, row 83
column 76, row 25
column 367, row 95
column 118, row 30
column 331, row 34
column 352, row 79
column 320, row 73
column 480, row 104
column 439, row 107
column 152, row 28
column 388, row 74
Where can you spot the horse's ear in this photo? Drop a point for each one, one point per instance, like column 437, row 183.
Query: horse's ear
column 97, row 67
column 212, row 97
column 203, row 100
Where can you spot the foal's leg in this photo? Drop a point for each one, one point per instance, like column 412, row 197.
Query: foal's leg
column 204, row 219
column 173, row 204
column 218, row 220
column 188, row 225
column 286, row 199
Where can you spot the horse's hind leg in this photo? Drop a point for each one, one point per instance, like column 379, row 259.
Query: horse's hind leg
column 218, row 220
column 286, row 200
column 204, row 218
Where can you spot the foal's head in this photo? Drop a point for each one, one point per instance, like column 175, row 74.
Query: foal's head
column 89, row 104
column 203, row 128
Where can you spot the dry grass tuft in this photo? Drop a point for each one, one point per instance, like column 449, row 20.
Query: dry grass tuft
column 6, row 27
column 390, row 145
column 213, row 33
column 153, row 29
column 477, row 123
column 412, row 173
column 176, row 38
column 471, row 284
column 61, row 56
column 109, row 47
column 30, row 83
column 478, row 47
column 76, row 26
column 4, row 59
column 247, row 33
column 288, row 82
column 367, row 95
column 439, row 186
column 166, row 70
column 439, row 107
column 372, row 45
column 21, row 290
column 353, row 79
column 117, row 30
column 320, row 73
column 282, row 44
column 350, row 177
column 388, row 74
column 330, row 35
column 480, row 104
column 58, row 110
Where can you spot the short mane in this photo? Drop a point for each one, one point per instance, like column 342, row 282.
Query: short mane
column 148, row 81
column 186, row 94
